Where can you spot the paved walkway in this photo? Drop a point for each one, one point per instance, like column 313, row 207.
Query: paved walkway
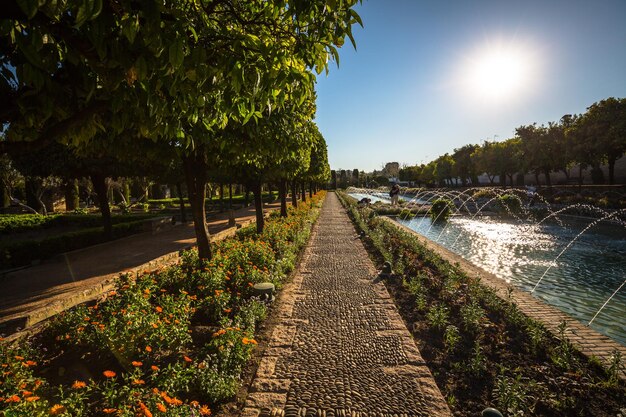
column 36, row 293
column 341, row 348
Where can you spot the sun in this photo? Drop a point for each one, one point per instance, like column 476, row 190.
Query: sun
column 498, row 72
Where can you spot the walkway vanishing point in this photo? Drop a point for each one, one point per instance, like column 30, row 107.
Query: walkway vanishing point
column 340, row 348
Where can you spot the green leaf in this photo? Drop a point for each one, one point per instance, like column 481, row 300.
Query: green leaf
column 29, row 7
column 176, row 53
column 142, row 68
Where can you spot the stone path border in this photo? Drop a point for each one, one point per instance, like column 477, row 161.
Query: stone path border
column 22, row 319
column 340, row 348
column 589, row 341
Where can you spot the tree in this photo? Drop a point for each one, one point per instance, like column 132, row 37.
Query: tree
column 540, row 152
column 87, row 67
column 604, row 126
column 465, row 165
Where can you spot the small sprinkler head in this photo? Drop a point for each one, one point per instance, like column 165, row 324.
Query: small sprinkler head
column 490, row 412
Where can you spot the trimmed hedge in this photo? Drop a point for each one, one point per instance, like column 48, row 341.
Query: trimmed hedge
column 23, row 253
column 17, row 223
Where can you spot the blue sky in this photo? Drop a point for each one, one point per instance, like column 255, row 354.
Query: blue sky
column 404, row 95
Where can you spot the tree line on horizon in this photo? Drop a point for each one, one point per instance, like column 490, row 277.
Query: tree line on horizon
column 583, row 141
column 186, row 93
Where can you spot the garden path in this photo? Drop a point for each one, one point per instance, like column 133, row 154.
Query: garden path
column 340, row 348
column 33, row 294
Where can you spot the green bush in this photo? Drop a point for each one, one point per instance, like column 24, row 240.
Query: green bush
column 510, row 203
column 23, row 253
column 441, row 210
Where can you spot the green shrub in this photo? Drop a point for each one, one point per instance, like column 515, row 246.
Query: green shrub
column 441, row 210
column 510, row 203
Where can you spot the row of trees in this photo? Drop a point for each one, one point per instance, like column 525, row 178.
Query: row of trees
column 219, row 90
column 584, row 141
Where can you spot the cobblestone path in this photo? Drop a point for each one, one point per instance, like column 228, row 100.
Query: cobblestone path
column 341, row 348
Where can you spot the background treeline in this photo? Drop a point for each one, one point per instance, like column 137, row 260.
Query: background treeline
column 583, row 142
column 178, row 93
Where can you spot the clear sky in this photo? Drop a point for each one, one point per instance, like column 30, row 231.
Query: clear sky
column 431, row 76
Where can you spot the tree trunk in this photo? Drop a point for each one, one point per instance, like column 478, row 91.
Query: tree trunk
column 31, row 187
column 246, row 201
column 611, row 169
column 311, row 189
column 230, row 196
column 181, row 202
column 6, row 198
column 537, row 177
column 221, row 197
column 195, row 169
column 303, row 191
column 282, row 193
column 102, row 192
column 511, row 180
column 126, row 192
column 258, row 206
column 503, row 180
column 580, row 177
column 546, row 173
column 71, row 194
column 294, row 195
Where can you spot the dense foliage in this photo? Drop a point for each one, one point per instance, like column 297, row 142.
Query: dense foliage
column 196, row 89
column 481, row 349
column 169, row 342
column 583, row 141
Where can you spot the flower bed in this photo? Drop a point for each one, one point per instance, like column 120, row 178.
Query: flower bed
column 170, row 342
column 480, row 348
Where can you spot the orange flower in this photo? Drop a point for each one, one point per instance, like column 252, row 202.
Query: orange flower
column 78, row 385
column 187, row 359
column 29, row 363
column 154, row 368
column 247, row 341
column 158, row 309
column 194, row 403
column 228, row 310
column 148, row 349
column 205, row 411
column 13, row 399
column 19, row 358
column 109, row 374
column 136, row 363
column 109, row 410
column 31, row 399
column 26, row 393
column 162, row 408
column 156, row 326
column 139, row 382
column 57, row 409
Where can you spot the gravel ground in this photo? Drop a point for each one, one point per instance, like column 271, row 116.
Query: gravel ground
column 341, row 348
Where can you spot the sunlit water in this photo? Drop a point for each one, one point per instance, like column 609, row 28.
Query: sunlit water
column 582, row 279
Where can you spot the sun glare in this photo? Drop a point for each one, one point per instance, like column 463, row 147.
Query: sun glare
column 498, row 72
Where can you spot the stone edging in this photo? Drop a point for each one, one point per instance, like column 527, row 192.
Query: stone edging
column 589, row 341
